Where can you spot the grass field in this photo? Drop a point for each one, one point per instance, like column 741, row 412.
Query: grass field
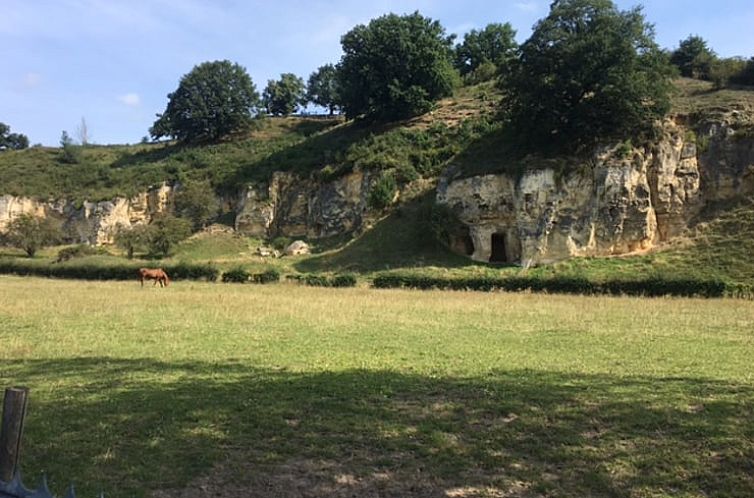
column 208, row 389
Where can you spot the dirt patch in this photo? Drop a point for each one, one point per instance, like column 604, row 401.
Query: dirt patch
column 322, row 478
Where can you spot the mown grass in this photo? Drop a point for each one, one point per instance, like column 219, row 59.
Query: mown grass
column 264, row 391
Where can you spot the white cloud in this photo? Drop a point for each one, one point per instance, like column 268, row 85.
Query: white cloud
column 530, row 6
column 130, row 99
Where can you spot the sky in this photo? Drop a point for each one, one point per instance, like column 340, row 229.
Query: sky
column 113, row 62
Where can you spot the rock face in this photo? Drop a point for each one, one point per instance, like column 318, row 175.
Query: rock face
column 621, row 201
column 93, row 222
column 298, row 207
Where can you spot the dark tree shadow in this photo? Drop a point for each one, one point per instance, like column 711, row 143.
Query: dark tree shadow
column 198, row 429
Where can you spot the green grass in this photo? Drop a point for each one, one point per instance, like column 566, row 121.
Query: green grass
column 240, row 391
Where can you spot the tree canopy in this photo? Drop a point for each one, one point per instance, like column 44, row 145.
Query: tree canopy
column 282, row 97
column 196, row 202
column 395, row 67
column 693, row 57
column 496, row 43
column 12, row 141
column 322, row 88
column 213, row 100
column 31, row 233
column 587, row 73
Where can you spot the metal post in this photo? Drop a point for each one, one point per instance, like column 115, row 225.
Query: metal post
column 11, row 430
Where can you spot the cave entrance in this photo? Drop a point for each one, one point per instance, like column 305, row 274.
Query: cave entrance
column 499, row 253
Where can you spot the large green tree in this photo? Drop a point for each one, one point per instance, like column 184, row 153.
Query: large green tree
column 322, row 88
column 693, row 57
column 282, row 97
column 213, row 100
column 588, row 72
column 31, row 233
column 165, row 232
column 12, row 141
column 495, row 44
column 395, row 67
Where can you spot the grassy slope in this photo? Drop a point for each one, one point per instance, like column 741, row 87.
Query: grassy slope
column 414, row 394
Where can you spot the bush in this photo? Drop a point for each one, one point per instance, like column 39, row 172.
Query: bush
column 77, row 251
column 236, row 275
column 266, row 277
column 89, row 271
column 317, row 281
column 280, row 243
column 383, row 192
column 343, row 280
column 652, row 287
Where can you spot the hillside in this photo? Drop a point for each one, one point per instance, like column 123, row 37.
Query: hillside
column 459, row 132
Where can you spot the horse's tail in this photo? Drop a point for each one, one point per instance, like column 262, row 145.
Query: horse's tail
column 167, row 279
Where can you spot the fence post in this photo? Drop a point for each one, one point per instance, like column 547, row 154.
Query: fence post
column 11, row 430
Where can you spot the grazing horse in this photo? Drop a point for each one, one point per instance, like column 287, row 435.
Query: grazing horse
column 156, row 274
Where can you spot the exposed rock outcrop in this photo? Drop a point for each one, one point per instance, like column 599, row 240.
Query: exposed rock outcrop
column 92, row 222
column 622, row 200
column 292, row 206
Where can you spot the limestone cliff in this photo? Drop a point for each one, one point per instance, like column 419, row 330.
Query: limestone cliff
column 621, row 200
column 91, row 222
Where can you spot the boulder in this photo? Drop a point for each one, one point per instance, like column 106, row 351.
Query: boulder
column 296, row 248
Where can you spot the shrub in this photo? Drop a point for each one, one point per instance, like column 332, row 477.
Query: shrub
column 317, row 280
column 266, row 277
column 236, row 275
column 280, row 243
column 77, row 251
column 343, row 280
column 383, row 192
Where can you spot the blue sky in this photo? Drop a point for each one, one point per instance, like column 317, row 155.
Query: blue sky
column 113, row 62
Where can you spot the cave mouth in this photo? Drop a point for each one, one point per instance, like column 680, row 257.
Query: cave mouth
column 499, row 253
column 462, row 244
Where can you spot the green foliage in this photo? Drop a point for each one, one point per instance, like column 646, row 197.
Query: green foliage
column 98, row 271
column 196, row 201
column 343, row 280
column 77, row 251
column 624, row 149
column 395, row 67
column 31, row 233
column 486, row 71
column 340, row 280
column 133, row 238
column 589, row 72
column 236, row 275
column 12, row 141
column 165, row 232
column 723, row 72
column 212, row 101
column 280, row 243
column 322, row 88
column 382, row 192
column 69, row 152
column 268, row 276
column 693, row 58
column 559, row 284
column 494, row 45
column 282, row 97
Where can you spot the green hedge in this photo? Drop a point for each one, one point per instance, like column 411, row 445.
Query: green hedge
column 236, row 275
column 566, row 285
column 84, row 271
column 342, row 280
column 266, row 277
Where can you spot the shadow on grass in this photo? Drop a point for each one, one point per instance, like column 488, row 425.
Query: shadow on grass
column 133, row 426
column 403, row 239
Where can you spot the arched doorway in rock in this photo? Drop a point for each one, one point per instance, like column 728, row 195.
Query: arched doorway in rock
column 499, row 251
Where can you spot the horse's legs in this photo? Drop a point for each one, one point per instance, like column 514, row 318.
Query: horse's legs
column 141, row 279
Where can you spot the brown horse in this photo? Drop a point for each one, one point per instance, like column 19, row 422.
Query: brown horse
column 156, row 274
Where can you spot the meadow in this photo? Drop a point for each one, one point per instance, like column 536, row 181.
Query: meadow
column 282, row 390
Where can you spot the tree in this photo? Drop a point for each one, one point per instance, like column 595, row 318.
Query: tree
column 395, row 67
column 12, row 141
column 165, row 232
column 196, row 202
column 213, row 100
column 495, row 44
column 693, row 58
column 31, row 233
column 69, row 153
column 133, row 238
column 589, row 72
column 82, row 131
column 322, row 88
column 282, row 97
